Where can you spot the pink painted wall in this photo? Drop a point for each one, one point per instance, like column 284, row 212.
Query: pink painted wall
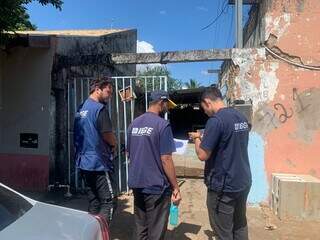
column 294, row 145
column 286, row 98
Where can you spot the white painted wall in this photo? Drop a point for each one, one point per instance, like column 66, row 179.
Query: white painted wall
column 26, row 84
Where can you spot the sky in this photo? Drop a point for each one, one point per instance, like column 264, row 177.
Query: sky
column 166, row 25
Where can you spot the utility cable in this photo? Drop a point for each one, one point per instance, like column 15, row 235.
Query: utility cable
column 217, row 18
column 309, row 67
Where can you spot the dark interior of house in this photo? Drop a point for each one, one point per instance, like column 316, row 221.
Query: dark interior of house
column 186, row 119
column 188, row 116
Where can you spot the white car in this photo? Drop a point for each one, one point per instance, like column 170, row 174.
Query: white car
column 24, row 218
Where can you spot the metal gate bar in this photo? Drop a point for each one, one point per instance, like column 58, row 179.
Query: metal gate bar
column 125, row 132
column 78, row 93
column 118, row 133
column 75, row 110
column 69, row 135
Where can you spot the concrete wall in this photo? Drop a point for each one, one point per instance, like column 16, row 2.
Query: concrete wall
column 33, row 99
column 25, row 95
column 2, row 56
column 286, row 114
column 118, row 42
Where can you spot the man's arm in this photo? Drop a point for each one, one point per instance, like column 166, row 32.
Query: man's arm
column 205, row 144
column 169, row 170
column 167, row 147
column 110, row 138
column 105, row 126
column 202, row 154
column 168, row 167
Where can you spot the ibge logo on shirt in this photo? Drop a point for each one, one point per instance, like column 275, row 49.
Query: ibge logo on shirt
column 83, row 114
column 243, row 126
column 145, row 131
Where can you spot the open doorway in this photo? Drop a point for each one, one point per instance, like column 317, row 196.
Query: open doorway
column 187, row 116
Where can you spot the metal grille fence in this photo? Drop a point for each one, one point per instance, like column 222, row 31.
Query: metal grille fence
column 121, row 113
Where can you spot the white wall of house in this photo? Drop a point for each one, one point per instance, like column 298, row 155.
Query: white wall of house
column 25, row 83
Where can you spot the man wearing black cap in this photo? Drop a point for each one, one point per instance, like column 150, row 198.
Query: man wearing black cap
column 94, row 146
column 151, row 171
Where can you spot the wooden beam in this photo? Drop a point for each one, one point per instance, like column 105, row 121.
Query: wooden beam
column 144, row 58
column 247, row 2
column 172, row 56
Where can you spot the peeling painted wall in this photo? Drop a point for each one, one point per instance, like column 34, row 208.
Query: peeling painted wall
column 286, row 115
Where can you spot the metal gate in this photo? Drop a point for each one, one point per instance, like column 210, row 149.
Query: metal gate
column 121, row 111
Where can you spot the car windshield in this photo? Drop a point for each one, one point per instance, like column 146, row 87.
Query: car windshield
column 12, row 207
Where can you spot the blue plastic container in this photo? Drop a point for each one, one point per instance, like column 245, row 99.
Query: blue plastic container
column 174, row 215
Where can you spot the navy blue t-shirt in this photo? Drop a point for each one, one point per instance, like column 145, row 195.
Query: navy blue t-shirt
column 149, row 137
column 226, row 135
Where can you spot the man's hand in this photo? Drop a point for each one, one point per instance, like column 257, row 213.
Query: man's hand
column 194, row 135
column 202, row 154
column 176, row 197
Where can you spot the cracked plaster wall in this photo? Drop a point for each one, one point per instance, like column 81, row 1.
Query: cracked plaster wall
column 285, row 98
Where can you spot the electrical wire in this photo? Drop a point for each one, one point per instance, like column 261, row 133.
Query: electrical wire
column 309, row 67
column 218, row 25
column 217, row 17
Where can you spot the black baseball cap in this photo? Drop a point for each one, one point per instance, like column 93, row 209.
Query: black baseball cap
column 162, row 95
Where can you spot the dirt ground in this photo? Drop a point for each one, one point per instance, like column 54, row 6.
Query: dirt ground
column 194, row 223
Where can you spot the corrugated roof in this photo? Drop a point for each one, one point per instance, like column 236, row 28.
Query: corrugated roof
column 83, row 33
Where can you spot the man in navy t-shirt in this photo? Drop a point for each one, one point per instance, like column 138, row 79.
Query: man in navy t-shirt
column 223, row 147
column 151, row 171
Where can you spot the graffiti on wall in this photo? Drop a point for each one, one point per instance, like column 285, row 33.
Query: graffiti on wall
column 300, row 106
column 303, row 109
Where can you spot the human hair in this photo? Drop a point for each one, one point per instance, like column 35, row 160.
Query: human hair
column 100, row 83
column 213, row 93
column 154, row 102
